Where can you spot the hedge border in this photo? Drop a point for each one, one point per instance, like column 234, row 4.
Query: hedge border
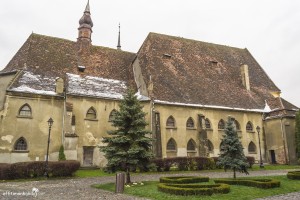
column 193, row 189
column 183, row 179
column 259, row 183
column 294, row 175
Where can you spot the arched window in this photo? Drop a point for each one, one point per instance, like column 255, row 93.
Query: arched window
column 25, row 111
column 249, row 126
column 210, row 146
column 251, row 147
column 112, row 115
column 221, row 124
column 207, row 123
column 191, row 145
column 237, row 125
column 223, row 146
column 190, row 123
column 171, row 145
column 170, row 122
column 91, row 113
column 21, row 144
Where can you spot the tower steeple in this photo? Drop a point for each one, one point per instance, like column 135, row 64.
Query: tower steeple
column 85, row 26
column 119, row 39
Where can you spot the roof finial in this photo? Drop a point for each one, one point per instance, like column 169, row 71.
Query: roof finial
column 87, row 8
column 119, row 39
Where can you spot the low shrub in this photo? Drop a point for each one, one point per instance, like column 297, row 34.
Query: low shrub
column 193, row 189
column 294, row 175
column 259, row 183
column 23, row 170
column 183, row 179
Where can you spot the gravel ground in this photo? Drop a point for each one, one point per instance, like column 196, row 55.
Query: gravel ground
column 80, row 188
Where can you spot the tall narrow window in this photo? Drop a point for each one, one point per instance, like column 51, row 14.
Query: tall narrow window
column 21, row 144
column 190, row 123
column 210, row 146
column 191, row 145
column 251, row 147
column 249, row 126
column 237, row 125
column 221, row 124
column 170, row 122
column 171, row 145
column 112, row 115
column 91, row 113
column 25, row 111
column 207, row 123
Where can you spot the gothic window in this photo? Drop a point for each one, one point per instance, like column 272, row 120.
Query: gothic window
column 171, row 145
column 210, row 146
column 190, row 123
column 21, row 144
column 112, row 115
column 25, row 111
column 251, row 147
column 249, row 126
column 221, row 124
column 91, row 113
column 237, row 125
column 207, row 123
column 171, row 122
column 191, row 145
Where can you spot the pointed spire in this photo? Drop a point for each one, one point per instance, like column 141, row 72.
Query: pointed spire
column 119, row 39
column 87, row 8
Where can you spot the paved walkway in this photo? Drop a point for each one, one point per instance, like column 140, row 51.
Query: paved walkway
column 80, row 188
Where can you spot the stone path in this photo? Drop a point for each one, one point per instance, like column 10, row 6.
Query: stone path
column 80, row 188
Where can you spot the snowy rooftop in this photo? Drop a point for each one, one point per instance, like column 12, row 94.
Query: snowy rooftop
column 95, row 86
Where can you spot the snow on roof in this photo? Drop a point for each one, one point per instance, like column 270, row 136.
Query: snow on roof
column 208, row 106
column 95, row 86
column 36, row 84
column 141, row 97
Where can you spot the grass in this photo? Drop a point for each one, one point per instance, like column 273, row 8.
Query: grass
column 86, row 173
column 149, row 190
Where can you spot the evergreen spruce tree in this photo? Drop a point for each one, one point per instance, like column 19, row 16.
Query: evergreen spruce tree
column 61, row 153
column 128, row 146
column 232, row 155
column 298, row 135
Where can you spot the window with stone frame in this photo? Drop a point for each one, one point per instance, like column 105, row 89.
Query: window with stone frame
column 249, row 127
column 190, row 123
column 221, row 124
column 112, row 115
column 21, row 144
column 171, row 145
column 210, row 146
column 237, row 125
column 207, row 123
column 191, row 145
column 170, row 122
column 251, row 147
column 25, row 111
column 91, row 113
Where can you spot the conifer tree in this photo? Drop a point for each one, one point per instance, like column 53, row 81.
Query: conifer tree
column 232, row 155
column 128, row 145
column 61, row 153
column 298, row 134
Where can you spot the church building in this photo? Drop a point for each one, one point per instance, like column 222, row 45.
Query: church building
column 188, row 89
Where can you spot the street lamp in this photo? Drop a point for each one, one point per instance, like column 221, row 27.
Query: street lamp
column 261, row 165
column 50, row 123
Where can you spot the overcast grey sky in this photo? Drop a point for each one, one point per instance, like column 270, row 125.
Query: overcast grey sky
column 269, row 29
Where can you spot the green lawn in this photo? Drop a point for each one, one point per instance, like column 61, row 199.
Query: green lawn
column 85, row 173
column 149, row 190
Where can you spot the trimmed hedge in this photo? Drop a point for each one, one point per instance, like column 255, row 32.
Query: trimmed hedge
column 294, row 175
column 23, row 170
column 183, row 179
column 259, row 183
column 193, row 189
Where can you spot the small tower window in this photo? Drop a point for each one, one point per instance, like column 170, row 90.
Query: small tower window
column 190, row 123
column 171, row 145
column 20, row 145
column 25, row 111
column 91, row 113
column 171, row 122
column 249, row 127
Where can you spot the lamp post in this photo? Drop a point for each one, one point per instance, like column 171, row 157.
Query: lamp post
column 261, row 165
column 50, row 123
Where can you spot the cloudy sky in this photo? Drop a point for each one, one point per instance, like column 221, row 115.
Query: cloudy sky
column 269, row 29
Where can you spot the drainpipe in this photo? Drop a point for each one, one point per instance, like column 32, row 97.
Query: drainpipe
column 63, row 120
column 283, row 141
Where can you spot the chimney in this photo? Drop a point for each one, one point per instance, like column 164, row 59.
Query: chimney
column 59, row 85
column 245, row 76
